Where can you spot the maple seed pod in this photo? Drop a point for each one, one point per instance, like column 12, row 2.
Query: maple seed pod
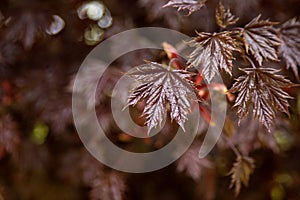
column 93, row 10
column 93, row 35
column 106, row 20
column 56, row 25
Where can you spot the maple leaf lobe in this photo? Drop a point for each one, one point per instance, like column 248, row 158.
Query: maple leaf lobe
column 160, row 86
column 261, row 40
column 213, row 51
column 261, row 89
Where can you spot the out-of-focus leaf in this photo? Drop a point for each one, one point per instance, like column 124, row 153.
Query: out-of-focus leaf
column 249, row 136
column 90, row 78
column 261, row 40
column 213, row 51
column 244, row 9
column 7, row 93
column 1, row 197
column 161, row 85
column 290, row 44
column 261, row 88
column 9, row 53
column 284, row 140
column 108, row 187
column 267, row 141
column 39, row 133
column 192, row 164
column 190, row 5
column 104, row 185
column 53, row 108
column 225, row 17
column 240, row 172
column 91, row 168
column 155, row 12
column 27, row 27
column 277, row 192
column 9, row 135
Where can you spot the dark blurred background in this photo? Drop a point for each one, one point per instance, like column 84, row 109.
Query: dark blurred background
column 42, row 44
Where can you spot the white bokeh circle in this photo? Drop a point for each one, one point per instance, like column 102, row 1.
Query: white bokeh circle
column 92, row 134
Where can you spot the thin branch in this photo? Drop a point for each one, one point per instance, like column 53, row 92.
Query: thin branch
column 250, row 61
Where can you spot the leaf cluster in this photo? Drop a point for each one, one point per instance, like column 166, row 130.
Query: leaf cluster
column 261, row 86
column 260, row 89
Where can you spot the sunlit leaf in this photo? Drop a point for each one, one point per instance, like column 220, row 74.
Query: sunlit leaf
column 261, row 89
column 261, row 40
column 160, row 85
column 213, row 52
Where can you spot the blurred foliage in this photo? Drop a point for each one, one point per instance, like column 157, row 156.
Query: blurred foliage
column 39, row 133
column 42, row 44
